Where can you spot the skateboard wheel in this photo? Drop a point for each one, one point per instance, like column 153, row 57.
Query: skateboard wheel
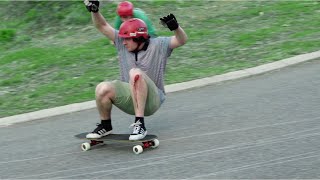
column 155, row 143
column 137, row 149
column 85, row 146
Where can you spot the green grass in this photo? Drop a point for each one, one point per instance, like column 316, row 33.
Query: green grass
column 51, row 54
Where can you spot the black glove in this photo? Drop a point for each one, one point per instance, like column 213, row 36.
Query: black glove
column 92, row 6
column 170, row 21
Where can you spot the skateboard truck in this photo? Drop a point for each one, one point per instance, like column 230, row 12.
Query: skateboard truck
column 137, row 149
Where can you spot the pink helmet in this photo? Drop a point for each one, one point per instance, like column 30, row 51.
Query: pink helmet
column 125, row 8
column 133, row 28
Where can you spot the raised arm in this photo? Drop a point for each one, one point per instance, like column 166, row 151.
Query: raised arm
column 100, row 22
column 180, row 37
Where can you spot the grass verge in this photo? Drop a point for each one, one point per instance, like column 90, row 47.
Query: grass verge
column 54, row 56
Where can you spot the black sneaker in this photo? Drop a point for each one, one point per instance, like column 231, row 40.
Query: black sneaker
column 99, row 132
column 139, row 132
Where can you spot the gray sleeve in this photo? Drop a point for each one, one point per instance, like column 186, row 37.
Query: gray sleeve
column 117, row 39
column 165, row 44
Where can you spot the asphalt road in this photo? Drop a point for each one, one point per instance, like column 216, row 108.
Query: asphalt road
column 266, row 126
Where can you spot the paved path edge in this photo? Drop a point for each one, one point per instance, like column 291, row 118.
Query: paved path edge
column 6, row 121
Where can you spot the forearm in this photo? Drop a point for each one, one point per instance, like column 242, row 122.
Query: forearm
column 181, row 36
column 102, row 25
column 98, row 20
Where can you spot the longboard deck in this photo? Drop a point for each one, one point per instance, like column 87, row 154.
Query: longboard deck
column 116, row 137
column 147, row 142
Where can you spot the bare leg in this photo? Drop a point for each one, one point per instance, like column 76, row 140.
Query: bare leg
column 139, row 91
column 105, row 93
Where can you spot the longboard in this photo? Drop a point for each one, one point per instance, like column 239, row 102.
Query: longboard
column 147, row 142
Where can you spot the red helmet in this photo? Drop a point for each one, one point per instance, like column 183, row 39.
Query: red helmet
column 133, row 28
column 125, row 8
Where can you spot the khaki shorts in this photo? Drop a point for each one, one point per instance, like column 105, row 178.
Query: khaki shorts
column 123, row 99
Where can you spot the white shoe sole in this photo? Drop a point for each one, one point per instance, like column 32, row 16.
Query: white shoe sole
column 97, row 136
column 137, row 137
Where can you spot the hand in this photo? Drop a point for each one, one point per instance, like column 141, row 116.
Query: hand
column 92, row 6
column 170, row 21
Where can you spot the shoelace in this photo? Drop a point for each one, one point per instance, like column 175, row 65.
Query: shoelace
column 98, row 125
column 136, row 127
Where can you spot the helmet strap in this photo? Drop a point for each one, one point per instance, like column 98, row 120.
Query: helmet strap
column 139, row 42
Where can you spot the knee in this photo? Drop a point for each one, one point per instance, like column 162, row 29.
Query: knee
column 104, row 89
column 135, row 74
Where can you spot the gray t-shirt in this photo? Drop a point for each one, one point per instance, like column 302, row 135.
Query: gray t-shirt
column 152, row 61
